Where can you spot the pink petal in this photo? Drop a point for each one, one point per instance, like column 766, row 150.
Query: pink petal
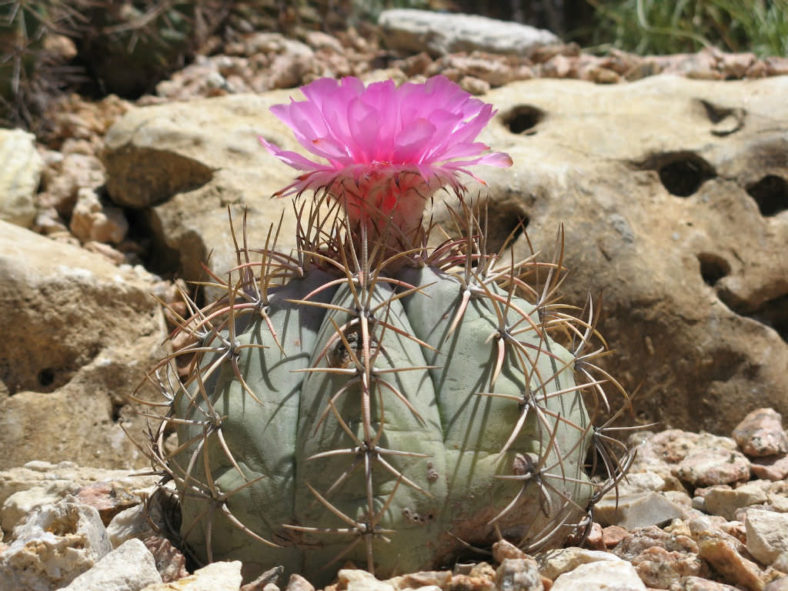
column 293, row 159
column 307, row 119
column 363, row 122
column 320, row 90
column 499, row 159
column 464, row 150
column 330, row 149
column 409, row 143
column 428, row 129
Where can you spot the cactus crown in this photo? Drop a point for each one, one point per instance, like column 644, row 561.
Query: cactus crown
column 367, row 397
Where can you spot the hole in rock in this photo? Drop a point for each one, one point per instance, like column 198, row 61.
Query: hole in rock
column 146, row 231
column 518, row 226
column 724, row 120
column 116, row 412
column 46, row 377
column 504, row 228
column 683, row 174
column 771, row 194
column 523, row 119
column 712, row 267
column 773, row 312
column 49, row 379
column 715, row 113
column 63, row 525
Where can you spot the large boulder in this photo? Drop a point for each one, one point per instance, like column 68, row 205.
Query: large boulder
column 671, row 192
column 412, row 30
column 78, row 338
column 673, row 196
column 184, row 165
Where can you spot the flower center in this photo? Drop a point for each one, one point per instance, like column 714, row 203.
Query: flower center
column 386, row 201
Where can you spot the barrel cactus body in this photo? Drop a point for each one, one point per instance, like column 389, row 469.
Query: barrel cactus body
column 389, row 420
column 368, row 399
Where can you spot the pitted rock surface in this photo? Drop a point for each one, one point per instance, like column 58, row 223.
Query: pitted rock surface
column 80, row 339
column 672, row 194
column 53, row 545
column 183, row 165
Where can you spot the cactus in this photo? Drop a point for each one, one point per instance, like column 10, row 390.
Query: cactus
column 129, row 45
column 121, row 46
column 27, row 66
column 374, row 400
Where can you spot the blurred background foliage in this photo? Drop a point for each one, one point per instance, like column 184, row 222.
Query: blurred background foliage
column 126, row 46
column 646, row 27
column 673, row 26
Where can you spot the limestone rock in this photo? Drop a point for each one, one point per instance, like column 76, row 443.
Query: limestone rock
column 725, row 501
column 713, row 466
column 672, row 194
column 54, row 545
column 612, row 536
column 661, row 568
column 600, row 576
column 671, row 446
column 433, row 578
column 184, row 164
column 640, row 540
column 700, row 584
column 299, row 583
column 361, row 580
column 771, row 468
column 129, row 567
column 92, row 220
column 554, row 563
column 735, row 568
column 636, row 510
column 595, row 537
column 411, row 30
column 518, row 574
column 476, row 577
column 761, row 433
column 638, row 482
column 268, row 580
column 767, row 534
column 706, row 527
column 20, row 174
column 217, row 576
column 503, row 549
column 16, row 507
column 170, row 562
column 108, row 498
column 66, row 176
column 59, row 480
column 82, row 336
column 129, row 523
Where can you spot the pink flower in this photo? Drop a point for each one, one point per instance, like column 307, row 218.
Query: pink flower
column 384, row 149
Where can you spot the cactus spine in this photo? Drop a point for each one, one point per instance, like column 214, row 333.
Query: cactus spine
column 369, row 398
column 355, row 403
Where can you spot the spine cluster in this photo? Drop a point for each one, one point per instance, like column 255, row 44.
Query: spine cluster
column 394, row 410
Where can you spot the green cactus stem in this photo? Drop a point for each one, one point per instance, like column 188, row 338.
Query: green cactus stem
column 347, row 404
